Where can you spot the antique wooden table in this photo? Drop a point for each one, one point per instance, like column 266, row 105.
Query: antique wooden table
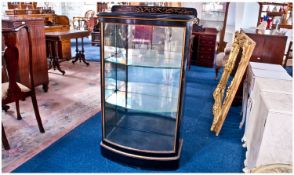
column 54, row 47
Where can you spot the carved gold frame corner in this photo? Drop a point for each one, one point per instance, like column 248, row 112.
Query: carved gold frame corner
column 223, row 103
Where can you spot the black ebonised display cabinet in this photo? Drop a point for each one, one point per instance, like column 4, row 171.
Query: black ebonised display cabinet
column 143, row 64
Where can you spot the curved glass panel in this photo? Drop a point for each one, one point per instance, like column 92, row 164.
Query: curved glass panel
column 142, row 75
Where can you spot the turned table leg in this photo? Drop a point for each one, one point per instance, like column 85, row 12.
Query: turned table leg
column 76, row 58
column 82, row 53
column 55, row 46
column 49, row 54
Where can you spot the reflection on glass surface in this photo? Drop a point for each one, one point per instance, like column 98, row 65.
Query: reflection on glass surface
column 142, row 66
column 114, row 39
column 151, row 58
column 145, row 97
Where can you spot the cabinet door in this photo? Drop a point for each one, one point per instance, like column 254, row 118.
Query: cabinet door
column 143, row 77
column 276, row 145
column 268, row 49
column 274, row 49
column 257, row 55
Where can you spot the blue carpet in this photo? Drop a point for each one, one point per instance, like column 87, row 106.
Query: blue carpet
column 92, row 53
column 79, row 150
column 289, row 69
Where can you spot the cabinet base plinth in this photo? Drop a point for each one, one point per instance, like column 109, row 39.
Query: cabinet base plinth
column 159, row 162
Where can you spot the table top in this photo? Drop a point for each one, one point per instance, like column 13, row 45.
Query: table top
column 282, row 75
column 266, row 66
column 20, row 18
column 67, row 34
column 270, row 33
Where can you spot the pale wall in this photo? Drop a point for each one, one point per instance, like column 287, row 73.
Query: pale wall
column 240, row 15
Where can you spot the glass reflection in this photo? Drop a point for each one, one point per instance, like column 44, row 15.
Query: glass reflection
column 142, row 78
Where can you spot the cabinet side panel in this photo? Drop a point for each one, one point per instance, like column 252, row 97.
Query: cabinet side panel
column 40, row 67
column 23, row 50
column 39, row 60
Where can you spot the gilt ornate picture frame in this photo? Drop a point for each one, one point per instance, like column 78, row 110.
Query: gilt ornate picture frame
column 223, row 103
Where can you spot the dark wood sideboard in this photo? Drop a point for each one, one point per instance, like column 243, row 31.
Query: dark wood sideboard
column 204, row 47
column 270, row 46
column 39, row 60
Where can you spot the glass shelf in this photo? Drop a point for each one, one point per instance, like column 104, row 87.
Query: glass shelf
column 119, row 72
column 166, row 90
column 145, row 58
column 112, row 84
column 142, row 103
column 142, row 97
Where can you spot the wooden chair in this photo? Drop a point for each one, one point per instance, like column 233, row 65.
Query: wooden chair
column 288, row 54
column 83, row 21
column 13, row 91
